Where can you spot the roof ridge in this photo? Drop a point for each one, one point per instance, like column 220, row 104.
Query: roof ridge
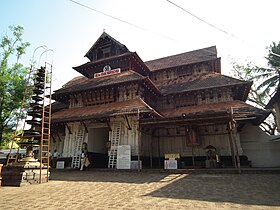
column 149, row 107
column 102, row 36
column 206, row 48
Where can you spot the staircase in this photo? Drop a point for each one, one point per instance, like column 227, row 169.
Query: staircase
column 115, row 139
column 76, row 160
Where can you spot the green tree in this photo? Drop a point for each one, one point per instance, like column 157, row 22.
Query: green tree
column 257, row 97
column 12, row 79
column 270, row 76
column 265, row 83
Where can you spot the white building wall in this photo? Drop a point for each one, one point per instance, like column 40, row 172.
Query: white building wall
column 71, row 138
column 177, row 144
column 128, row 136
column 57, row 144
column 259, row 148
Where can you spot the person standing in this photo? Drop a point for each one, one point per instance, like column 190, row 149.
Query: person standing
column 84, row 157
column 55, row 156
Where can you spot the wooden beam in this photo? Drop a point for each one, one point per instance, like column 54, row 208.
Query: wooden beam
column 83, row 123
column 139, row 140
column 233, row 126
column 108, row 124
column 151, row 153
column 231, row 145
column 53, row 138
column 58, row 136
column 127, row 122
column 75, row 98
column 68, row 128
column 193, row 162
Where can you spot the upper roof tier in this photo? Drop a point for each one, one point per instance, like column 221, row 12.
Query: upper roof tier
column 201, row 82
column 106, row 46
column 107, row 52
column 196, row 56
column 126, row 61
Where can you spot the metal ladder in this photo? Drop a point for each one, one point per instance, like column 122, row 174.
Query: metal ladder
column 115, row 139
column 46, row 123
column 76, row 160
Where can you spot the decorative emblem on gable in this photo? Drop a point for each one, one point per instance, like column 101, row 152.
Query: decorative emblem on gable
column 107, row 68
column 107, row 71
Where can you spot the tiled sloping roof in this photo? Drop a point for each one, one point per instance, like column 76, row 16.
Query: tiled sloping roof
column 103, row 35
column 87, row 64
column 57, row 106
column 240, row 108
column 196, row 82
column 83, row 83
column 87, row 68
column 104, row 110
column 195, row 56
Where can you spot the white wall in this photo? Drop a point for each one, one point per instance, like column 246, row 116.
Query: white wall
column 259, row 148
column 57, row 144
column 96, row 136
column 129, row 132
column 71, row 138
column 177, row 144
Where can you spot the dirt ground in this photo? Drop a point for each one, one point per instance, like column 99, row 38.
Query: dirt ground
column 146, row 190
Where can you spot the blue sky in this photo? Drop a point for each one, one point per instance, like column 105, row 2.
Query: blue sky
column 70, row 30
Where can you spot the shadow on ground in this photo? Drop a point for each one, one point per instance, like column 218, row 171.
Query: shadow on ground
column 106, row 176
column 250, row 189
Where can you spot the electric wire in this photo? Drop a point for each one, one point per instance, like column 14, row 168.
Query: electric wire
column 200, row 19
column 215, row 27
column 122, row 21
column 162, row 35
column 136, row 26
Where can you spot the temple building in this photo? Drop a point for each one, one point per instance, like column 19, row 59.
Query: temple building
column 180, row 105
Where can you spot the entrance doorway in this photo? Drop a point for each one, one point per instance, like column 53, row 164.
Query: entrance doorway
column 98, row 153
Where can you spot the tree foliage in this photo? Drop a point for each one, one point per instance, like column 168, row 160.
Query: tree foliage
column 270, row 76
column 265, row 83
column 12, row 78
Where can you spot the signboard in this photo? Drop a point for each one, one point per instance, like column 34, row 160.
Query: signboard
column 170, row 164
column 107, row 71
column 134, row 164
column 124, row 157
column 60, row 164
column 168, row 156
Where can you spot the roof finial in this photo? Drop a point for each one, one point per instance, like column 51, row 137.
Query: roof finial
column 103, row 30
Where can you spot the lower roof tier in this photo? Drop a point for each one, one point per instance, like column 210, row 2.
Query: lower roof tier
column 134, row 106
column 241, row 111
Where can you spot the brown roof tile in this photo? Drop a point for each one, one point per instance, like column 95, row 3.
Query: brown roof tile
column 100, row 111
column 195, row 56
column 103, row 35
column 196, row 82
column 83, row 83
column 239, row 107
column 88, row 64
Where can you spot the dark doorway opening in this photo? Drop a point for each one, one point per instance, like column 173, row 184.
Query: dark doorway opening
column 97, row 150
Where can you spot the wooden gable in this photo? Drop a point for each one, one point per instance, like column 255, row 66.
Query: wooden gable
column 105, row 47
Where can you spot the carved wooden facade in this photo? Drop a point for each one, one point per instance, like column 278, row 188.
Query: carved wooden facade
column 177, row 104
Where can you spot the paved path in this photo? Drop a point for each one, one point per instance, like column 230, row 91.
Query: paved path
column 148, row 190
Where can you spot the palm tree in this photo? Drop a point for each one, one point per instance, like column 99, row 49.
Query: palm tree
column 265, row 83
column 270, row 76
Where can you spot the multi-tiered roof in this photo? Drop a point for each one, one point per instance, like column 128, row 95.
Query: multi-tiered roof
column 181, row 87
